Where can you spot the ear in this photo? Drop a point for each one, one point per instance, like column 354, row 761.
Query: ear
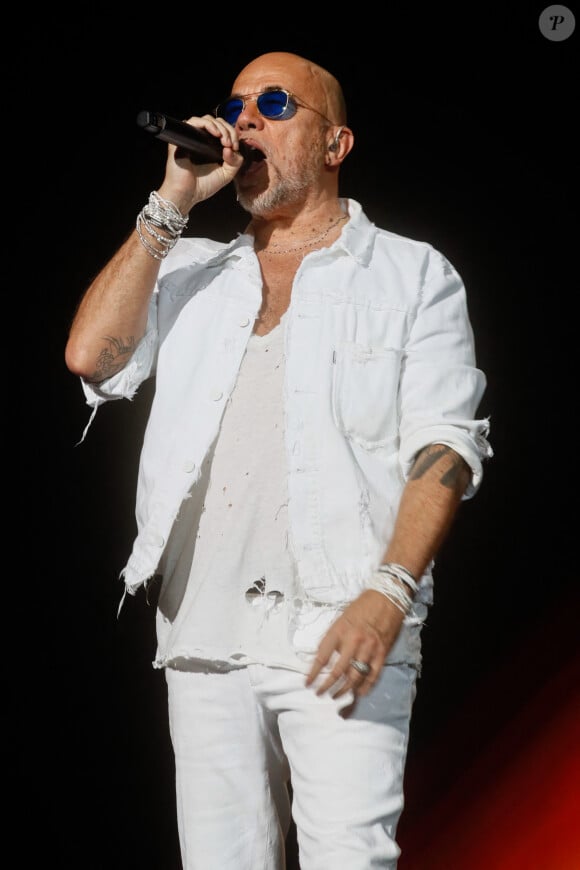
column 339, row 146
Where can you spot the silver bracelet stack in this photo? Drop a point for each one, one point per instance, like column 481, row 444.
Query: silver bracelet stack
column 393, row 581
column 162, row 214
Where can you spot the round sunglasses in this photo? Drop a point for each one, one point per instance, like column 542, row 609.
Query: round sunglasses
column 276, row 105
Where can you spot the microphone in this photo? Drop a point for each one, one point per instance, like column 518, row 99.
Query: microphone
column 201, row 146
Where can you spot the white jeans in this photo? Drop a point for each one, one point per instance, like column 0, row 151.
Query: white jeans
column 239, row 736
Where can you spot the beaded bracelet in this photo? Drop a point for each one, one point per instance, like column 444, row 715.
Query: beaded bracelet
column 165, row 215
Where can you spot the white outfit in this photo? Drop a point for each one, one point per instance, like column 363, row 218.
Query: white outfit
column 377, row 363
column 237, row 736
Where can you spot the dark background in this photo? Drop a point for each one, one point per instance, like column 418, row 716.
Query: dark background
column 464, row 128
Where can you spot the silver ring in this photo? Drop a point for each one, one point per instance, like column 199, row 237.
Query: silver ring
column 362, row 667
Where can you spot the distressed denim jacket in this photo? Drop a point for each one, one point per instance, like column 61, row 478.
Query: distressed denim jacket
column 380, row 362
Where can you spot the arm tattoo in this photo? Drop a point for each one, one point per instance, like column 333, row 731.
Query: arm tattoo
column 428, row 457
column 113, row 357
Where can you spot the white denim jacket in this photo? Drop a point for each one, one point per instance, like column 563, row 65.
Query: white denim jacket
column 379, row 363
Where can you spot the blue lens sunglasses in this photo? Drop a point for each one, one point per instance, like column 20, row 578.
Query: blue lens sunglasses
column 275, row 104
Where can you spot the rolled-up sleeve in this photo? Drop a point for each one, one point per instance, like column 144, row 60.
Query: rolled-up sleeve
column 441, row 386
column 124, row 384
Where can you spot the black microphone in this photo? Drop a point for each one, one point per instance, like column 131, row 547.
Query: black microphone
column 201, row 146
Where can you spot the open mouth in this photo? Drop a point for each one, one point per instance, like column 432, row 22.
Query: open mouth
column 251, row 154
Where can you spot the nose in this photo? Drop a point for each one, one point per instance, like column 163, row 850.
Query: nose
column 250, row 116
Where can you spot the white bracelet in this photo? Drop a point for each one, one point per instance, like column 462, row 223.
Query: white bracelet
column 401, row 573
column 391, row 589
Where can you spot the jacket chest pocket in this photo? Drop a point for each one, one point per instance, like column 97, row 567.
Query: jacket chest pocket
column 365, row 388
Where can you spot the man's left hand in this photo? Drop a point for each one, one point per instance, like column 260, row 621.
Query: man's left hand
column 363, row 633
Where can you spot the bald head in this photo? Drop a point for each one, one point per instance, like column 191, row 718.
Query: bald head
column 302, row 77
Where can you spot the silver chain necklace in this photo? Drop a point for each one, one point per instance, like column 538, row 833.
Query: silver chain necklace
column 306, row 244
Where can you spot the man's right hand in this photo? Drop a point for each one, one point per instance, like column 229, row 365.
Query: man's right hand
column 187, row 183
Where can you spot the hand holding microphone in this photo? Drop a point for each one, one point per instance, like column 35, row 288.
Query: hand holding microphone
column 201, row 146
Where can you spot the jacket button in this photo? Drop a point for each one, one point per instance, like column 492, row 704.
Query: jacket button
column 244, row 321
column 216, row 395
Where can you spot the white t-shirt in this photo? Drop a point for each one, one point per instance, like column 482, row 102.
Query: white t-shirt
column 233, row 610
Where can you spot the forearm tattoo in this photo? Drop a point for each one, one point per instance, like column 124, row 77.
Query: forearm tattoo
column 113, row 357
column 452, row 476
